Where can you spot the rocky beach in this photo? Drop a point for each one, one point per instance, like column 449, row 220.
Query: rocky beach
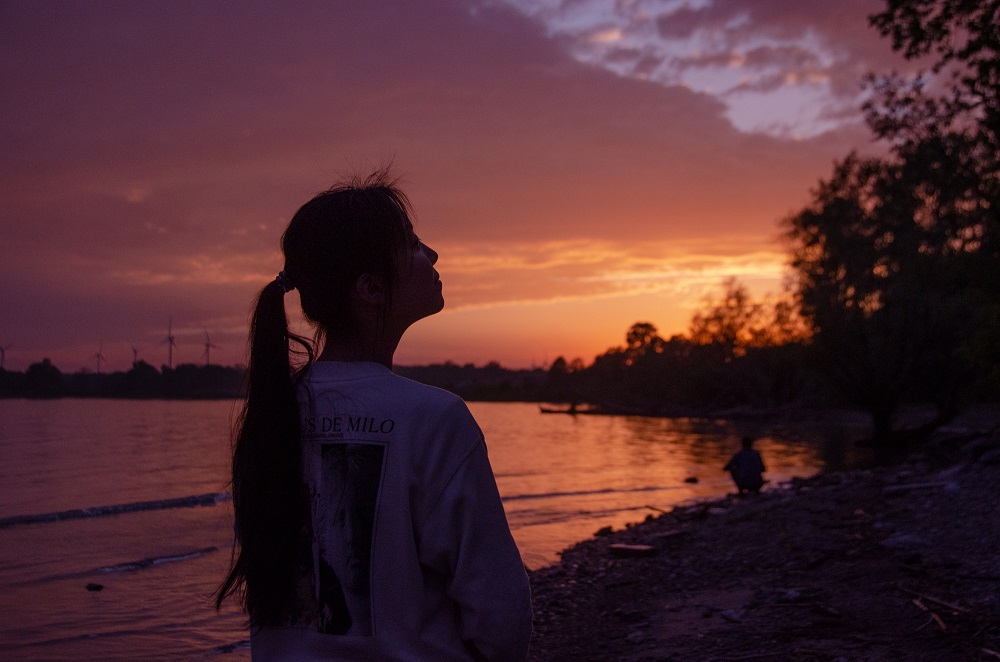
column 889, row 563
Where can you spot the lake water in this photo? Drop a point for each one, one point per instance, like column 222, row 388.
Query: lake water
column 561, row 477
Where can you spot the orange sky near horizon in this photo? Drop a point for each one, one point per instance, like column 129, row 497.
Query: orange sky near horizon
column 579, row 168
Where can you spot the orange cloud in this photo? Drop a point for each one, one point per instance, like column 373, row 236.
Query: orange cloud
column 478, row 275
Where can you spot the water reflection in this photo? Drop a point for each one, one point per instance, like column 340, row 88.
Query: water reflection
column 564, row 477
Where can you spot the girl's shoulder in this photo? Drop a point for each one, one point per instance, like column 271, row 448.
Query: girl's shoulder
column 375, row 382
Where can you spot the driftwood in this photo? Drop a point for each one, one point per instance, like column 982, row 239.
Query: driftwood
column 665, row 535
column 914, row 486
column 934, row 617
column 930, row 598
column 623, row 550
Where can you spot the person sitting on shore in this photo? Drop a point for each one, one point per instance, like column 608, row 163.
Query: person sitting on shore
column 746, row 467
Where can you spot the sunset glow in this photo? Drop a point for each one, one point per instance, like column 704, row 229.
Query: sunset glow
column 578, row 166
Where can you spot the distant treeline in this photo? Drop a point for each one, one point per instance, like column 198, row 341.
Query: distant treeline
column 188, row 381
column 142, row 381
column 649, row 376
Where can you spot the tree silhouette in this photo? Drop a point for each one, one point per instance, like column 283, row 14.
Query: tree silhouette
column 895, row 259
column 962, row 40
column 43, row 380
column 733, row 323
column 641, row 340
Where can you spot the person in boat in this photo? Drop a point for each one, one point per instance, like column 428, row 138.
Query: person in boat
column 367, row 518
column 746, row 467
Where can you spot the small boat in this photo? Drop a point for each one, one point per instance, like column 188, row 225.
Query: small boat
column 572, row 410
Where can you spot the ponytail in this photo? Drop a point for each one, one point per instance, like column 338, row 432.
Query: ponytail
column 268, row 496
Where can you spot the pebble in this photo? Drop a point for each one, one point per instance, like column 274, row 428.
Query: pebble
column 905, row 542
column 732, row 616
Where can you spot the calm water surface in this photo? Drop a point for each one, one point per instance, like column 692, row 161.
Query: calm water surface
column 561, row 477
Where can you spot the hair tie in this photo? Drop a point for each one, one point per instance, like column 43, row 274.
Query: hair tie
column 282, row 280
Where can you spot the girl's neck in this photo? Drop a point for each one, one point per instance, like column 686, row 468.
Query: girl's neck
column 338, row 350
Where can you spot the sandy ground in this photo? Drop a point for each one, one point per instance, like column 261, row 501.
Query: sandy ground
column 898, row 563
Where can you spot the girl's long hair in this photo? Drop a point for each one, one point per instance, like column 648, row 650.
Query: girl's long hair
column 268, row 501
column 349, row 230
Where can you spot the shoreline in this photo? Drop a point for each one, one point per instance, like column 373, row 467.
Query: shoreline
column 876, row 564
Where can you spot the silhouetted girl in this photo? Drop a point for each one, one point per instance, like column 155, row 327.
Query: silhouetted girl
column 368, row 521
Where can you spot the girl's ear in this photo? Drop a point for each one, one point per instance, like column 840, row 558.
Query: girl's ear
column 370, row 289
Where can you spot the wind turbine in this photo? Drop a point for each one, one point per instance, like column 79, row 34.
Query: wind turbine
column 100, row 357
column 208, row 347
column 170, row 342
column 3, row 355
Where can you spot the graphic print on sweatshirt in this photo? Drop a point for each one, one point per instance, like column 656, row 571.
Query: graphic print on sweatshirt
column 345, row 506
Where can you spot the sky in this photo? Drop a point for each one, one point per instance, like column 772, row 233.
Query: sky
column 579, row 165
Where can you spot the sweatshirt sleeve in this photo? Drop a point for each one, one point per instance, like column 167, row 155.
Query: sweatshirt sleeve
column 465, row 537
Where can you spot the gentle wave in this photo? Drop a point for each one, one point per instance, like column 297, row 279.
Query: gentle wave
column 226, row 649
column 103, row 511
column 142, row 564
column 525, row 519
column 83, row 636
column 128, row 566
column 606, row 490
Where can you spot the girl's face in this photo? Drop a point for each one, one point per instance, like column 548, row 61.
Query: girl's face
column 418, row 293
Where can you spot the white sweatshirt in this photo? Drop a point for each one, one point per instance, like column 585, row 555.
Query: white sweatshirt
column 412, row 555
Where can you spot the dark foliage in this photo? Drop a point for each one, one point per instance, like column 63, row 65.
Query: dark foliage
column 143, row 381
column 897, row 259
column 488, row 383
